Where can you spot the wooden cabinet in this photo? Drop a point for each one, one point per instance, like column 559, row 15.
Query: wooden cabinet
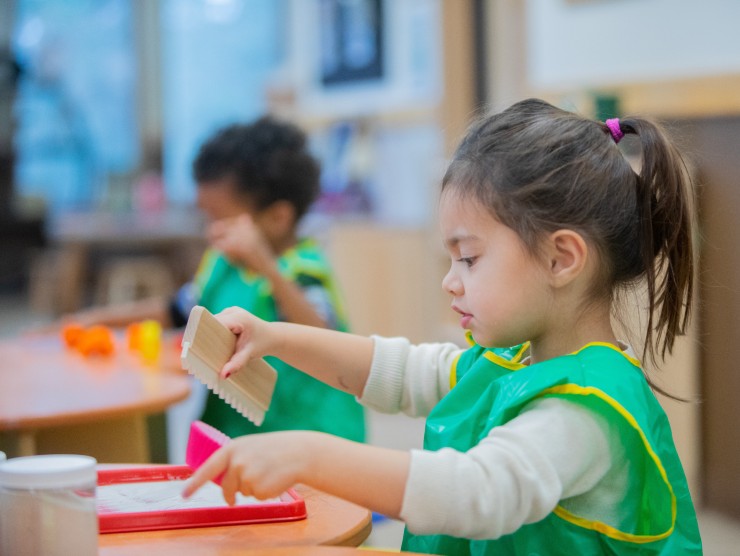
column 391, row 278
column 712, row 144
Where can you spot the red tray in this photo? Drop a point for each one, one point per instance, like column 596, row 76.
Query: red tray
column 121, row 510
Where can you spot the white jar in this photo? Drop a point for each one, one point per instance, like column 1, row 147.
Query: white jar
column 47, row 506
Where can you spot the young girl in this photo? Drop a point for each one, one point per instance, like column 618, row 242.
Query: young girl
column 543, row 437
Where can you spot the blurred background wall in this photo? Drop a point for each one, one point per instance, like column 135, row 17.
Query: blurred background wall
column 103, row 104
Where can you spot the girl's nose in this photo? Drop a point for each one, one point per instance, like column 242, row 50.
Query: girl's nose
column 450, row 283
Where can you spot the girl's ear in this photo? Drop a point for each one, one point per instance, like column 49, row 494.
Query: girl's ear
column 567, row 256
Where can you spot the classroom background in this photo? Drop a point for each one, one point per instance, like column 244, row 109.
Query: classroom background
column 103, row 104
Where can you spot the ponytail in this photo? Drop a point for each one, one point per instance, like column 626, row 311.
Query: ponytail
column 665, row 210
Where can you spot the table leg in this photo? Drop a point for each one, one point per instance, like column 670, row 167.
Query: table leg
column 27, row 443
column 18, row 443
column 73, row 274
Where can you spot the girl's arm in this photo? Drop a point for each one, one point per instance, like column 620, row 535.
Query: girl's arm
column 554, row 450
column 406, row 378
column 265, row 465
column 515, row 476
column 339, row 359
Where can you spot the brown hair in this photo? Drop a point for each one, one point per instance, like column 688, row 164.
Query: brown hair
column 539, row 169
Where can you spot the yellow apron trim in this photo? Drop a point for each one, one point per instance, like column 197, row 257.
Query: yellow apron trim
column 249, row 276
column 522, row 350
column 205, row 268
column 612, row 532
column 453, row 371
column 309, row 268
column 511, row 365
column 620, row 351
column 208, row 259
column 608, row 530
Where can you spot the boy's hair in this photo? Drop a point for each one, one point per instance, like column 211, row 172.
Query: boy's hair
column 268, row 160
column 539, row 169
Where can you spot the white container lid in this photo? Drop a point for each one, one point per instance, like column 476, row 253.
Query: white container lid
column 48, row 471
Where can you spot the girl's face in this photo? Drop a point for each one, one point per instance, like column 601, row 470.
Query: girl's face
column 497, row 286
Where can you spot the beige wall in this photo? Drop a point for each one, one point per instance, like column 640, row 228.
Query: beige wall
column 391, row 278
column 392, row 275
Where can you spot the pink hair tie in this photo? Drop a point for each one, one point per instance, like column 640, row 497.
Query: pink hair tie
column 613, row 125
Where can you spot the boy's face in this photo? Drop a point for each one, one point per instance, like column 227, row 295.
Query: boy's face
column 220, row 199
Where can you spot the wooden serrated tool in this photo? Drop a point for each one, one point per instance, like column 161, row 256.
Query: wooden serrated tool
column 206, row 347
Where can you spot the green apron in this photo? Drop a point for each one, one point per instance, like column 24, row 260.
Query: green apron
column 491, row 387
column 300, row 402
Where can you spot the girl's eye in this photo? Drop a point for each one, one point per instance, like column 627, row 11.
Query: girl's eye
column 467, row 261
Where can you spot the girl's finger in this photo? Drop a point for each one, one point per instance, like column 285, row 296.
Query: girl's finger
column 245, row 488
column 212, row 468
column 229, row 317
column 236, row 327
column 270, row 487
column 237, row 361
column 230, row 486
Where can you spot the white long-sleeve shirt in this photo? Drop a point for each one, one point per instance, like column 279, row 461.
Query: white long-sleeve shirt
column 553, row 450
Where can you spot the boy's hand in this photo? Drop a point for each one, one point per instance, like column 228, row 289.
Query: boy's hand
column 242, row 242
column 259, row 465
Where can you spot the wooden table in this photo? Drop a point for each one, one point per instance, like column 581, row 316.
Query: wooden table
column 320, row 550
column 315, row 551
column 54, row 400
column 175, row 235
column 330, row 521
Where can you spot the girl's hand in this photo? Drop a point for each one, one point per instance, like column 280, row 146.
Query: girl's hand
column 253, row 337
column 259, row 465
column 243, row 243
column 265, row 465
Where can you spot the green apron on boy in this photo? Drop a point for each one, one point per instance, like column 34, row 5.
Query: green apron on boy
column 300, row 402
column 493, row 386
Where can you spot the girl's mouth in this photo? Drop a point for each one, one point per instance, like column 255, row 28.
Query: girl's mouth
column 465, row 318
